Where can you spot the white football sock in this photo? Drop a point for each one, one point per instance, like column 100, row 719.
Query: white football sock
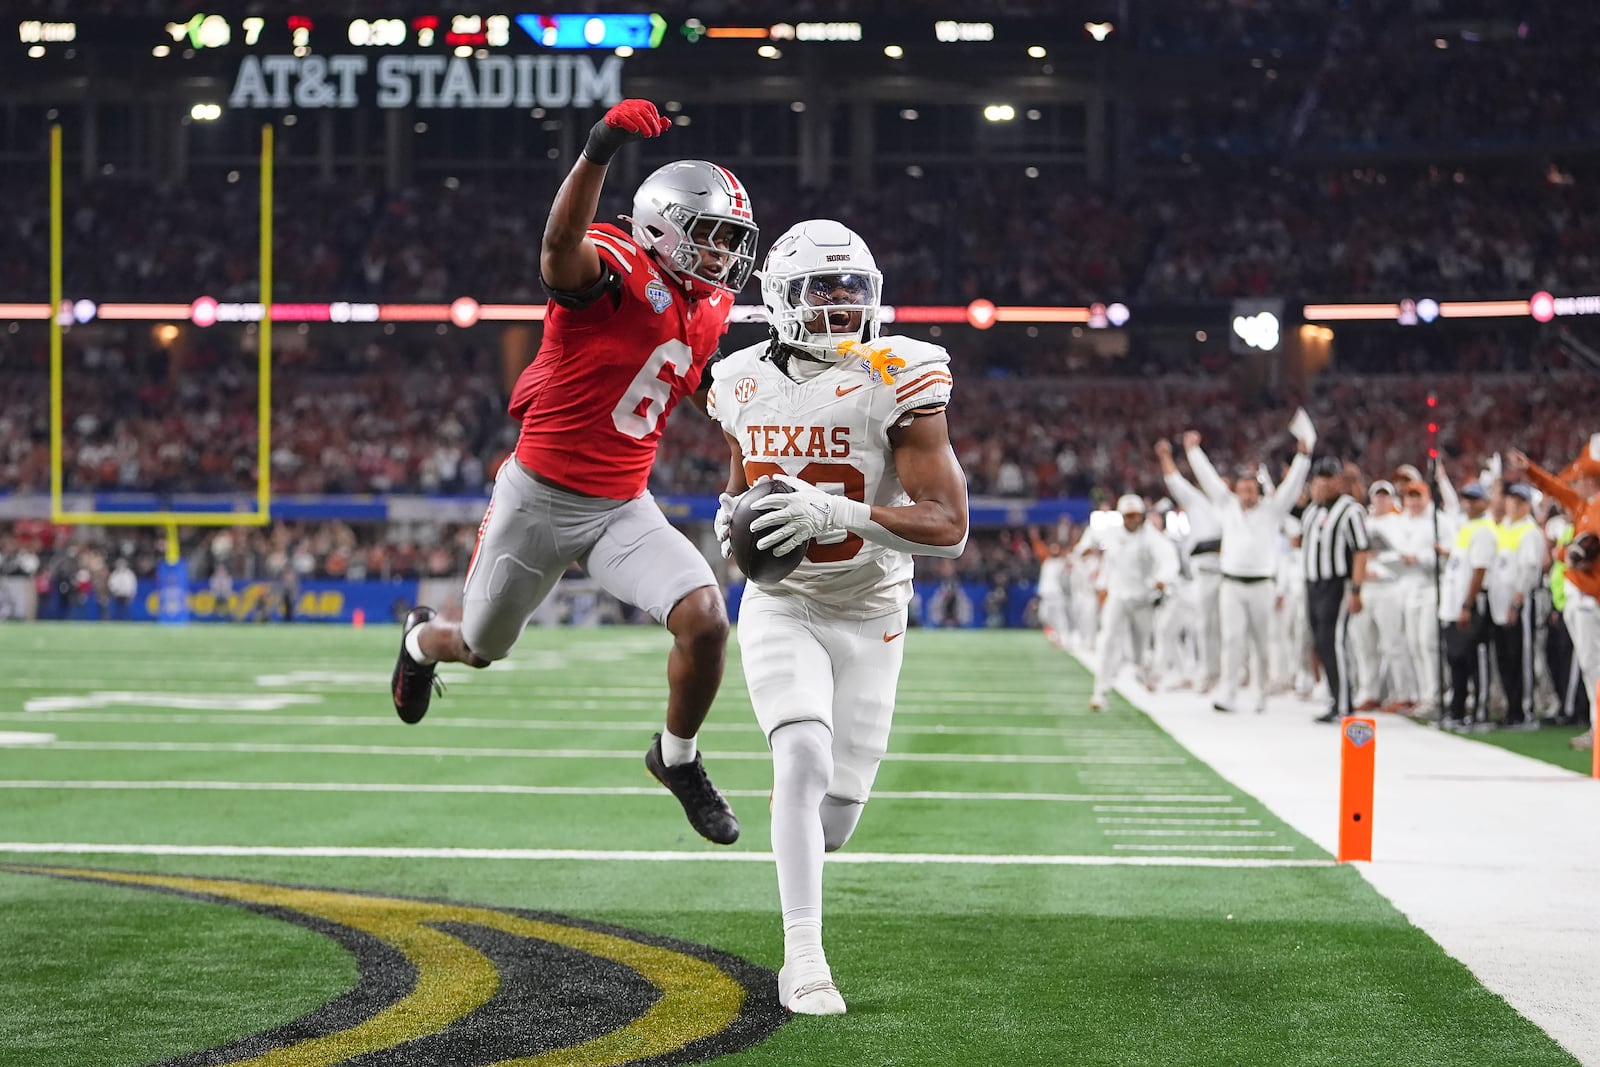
column 414, row 647
column 676, row 750
column 802, row 766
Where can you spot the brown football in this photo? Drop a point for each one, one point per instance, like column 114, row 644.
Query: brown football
column 760, row 564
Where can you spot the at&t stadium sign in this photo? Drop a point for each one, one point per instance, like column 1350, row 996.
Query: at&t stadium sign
column 426, row 81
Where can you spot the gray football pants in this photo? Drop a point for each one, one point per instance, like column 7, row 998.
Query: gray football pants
column 532, row 532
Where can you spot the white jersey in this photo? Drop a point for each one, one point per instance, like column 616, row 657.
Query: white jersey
column 832, row 430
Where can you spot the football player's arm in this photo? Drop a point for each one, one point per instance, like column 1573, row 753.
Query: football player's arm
column 568, row 261
column 737, row 483
column 722, row 524
column 935, row 522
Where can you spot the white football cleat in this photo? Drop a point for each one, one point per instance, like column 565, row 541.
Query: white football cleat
column 806, row 987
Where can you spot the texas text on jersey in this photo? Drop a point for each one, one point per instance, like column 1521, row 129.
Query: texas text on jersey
column 613, row 364
column 832, row 430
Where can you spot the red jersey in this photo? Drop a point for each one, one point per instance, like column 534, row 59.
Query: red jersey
column 595, row 400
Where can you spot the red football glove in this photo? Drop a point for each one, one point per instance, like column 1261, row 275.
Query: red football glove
column 630, row 120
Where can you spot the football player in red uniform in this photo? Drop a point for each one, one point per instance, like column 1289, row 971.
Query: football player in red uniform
column 634, row 317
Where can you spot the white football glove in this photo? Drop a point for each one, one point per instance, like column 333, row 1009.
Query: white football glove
column 806, row 514
column 724, row 520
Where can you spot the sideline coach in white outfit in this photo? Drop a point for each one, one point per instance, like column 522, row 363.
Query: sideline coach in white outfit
column 1250, row 546
column 1334, row 549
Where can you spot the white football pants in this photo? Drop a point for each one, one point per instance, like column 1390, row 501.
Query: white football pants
column 1422, row 640
column 1054, row 614
column 1125, row 627
column 1378, row 639
column 1208, row 621
column 1246, row 615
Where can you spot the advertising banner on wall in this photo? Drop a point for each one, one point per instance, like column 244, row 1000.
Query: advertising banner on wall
column 313, row 601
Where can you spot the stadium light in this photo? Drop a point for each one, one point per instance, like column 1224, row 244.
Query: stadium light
column 1037, row 51
column 1099, row 30
column 893, row 51
column 206, row 112
column 768, row 51
column 999, row 112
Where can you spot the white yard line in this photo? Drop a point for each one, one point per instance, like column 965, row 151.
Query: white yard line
column 1116, row 821
column 389, row 722
column 1157, row 809
column 630, row 856
column 555, row 753
column 186, row 785
column 1495, row 856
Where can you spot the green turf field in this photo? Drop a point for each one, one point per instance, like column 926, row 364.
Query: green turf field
column 1032, row 884
column 1552, row 744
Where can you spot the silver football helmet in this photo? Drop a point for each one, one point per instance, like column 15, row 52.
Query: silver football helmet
column 695, row 218
column 822, row 288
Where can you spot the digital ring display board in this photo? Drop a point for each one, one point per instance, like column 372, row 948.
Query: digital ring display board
column 467, row 33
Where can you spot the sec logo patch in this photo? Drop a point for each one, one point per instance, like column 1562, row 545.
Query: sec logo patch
column 744, row 389
column 659, row 295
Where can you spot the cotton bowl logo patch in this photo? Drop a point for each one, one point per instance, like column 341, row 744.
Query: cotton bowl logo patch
column 744, row 389
column 1358, row 732
column 659, row 295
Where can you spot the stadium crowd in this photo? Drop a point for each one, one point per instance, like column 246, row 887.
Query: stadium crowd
column 75, row 570
column 941, row 238
column 371, row 418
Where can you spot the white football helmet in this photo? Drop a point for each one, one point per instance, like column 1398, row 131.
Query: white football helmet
column 822, row 288
column 692, row 207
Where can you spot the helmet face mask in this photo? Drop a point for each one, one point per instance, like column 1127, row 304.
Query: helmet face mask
column 695, row 219
column 822, row 289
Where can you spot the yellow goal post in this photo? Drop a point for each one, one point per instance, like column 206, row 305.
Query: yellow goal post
column 262, row 513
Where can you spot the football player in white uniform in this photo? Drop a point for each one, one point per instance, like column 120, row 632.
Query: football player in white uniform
column 855, row 424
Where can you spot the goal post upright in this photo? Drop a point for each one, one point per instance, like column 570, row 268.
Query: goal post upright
column 264, row 341
column 261, row 515
column 53, row 320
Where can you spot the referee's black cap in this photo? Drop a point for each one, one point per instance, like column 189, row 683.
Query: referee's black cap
column 1327, row 467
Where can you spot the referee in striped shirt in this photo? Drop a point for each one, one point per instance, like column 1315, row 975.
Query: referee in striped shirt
column 1334, row 550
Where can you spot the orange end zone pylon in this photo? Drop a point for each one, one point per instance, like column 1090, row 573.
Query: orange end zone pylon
column 1357, row 749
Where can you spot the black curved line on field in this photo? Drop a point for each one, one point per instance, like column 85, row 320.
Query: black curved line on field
column 384, row 976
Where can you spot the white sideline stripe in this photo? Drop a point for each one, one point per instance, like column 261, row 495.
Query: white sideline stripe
column 388, row 722
column 532, row 790
column 635, row 856
column 548, row 753
column 1178, row 821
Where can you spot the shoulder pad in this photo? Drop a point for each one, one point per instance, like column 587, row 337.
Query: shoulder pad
column 925, row 380
column 738, row 362
column 615, row 247
column 915, row 352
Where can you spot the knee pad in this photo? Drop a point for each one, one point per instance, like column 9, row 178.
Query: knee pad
column 802, row 757
column 839, row 819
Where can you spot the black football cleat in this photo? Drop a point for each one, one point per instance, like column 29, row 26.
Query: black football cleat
column 705, row 806
column 413, row 683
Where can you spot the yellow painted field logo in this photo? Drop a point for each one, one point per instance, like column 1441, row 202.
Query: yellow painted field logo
column 466, row 986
